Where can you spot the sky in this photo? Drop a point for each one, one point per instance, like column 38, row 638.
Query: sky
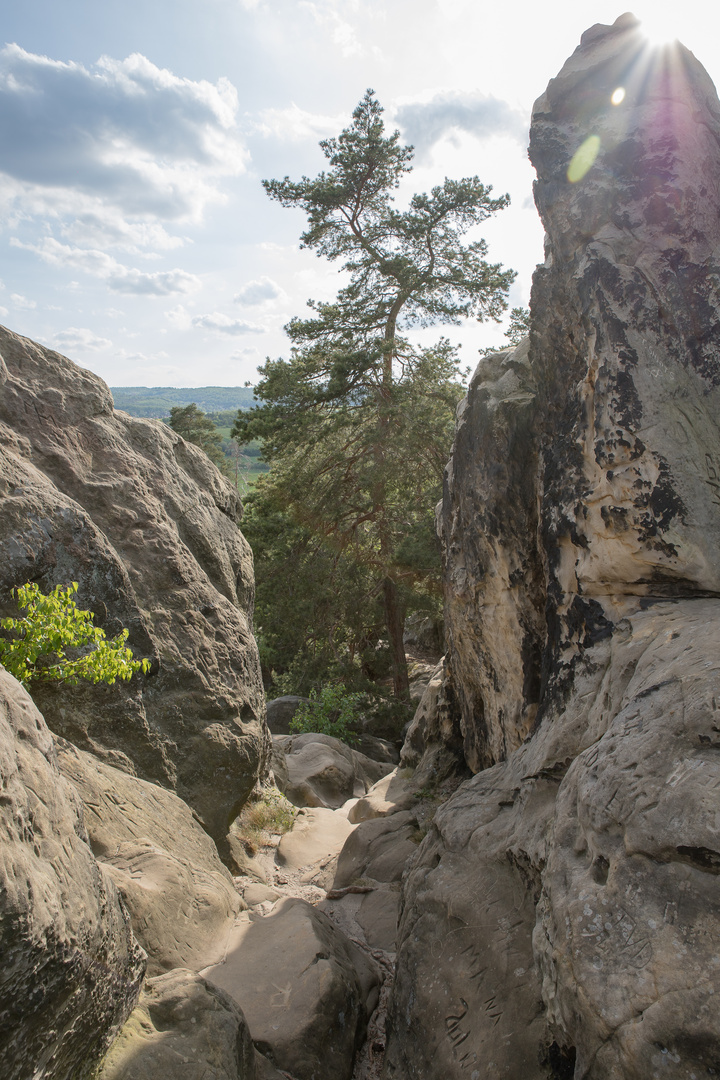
column 135, row 234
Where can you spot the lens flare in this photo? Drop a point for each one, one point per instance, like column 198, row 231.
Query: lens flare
column 618, row 95
column 660, row 32
column 583, row 159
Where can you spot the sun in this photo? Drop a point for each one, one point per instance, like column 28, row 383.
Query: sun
column 660, row 30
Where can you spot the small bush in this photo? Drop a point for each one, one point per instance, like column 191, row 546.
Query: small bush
column 262, row 818
column 54, row 623
column 329, row 713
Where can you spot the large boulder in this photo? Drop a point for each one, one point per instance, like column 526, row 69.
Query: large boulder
column 319, row 770
column 280, row 712
column 71, row 968
column 148, row 527
column 180, row 896
column 305, row 989
column 184, row 1028
column 377, row 849
column 562, row 916
column 392, row 793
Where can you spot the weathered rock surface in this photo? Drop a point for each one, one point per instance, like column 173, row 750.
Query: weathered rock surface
column 492, row 562
column 305, row 990
column 318, row 770
column 184, row 1028
column 378, row 849
column 149, row 528
column 314, row 842
column 280, row 712
column 434, row 746
column 71, row 968
column 561, row 918
column 393, row 793
column 565, row 905
column 370, row 867
column 180, row 896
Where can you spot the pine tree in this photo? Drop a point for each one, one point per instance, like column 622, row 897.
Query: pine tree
column 357, row 423
column 194, row 426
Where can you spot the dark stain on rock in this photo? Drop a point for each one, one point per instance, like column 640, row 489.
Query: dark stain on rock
column 702, row 857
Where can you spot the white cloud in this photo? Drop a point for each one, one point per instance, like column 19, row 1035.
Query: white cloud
column 19, row 301
column 119, row 278
column 179, row 318
column 161, row 283
column 126, row 132
column 342, row 33
column 257, row 292
column 297, row 125
column 93, row 229
column 79, row 337
column 424, row 123
column 111, row 157
column 225, row 325
column 3, row 312
column 246, row 354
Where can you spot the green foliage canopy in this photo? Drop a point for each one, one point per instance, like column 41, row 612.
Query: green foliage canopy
column 331, row 712
column 53, row 623
column 197, row 428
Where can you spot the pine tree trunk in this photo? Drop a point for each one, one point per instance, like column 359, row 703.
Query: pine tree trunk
column 395, row 623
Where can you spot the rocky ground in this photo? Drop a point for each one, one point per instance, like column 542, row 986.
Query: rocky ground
column 346, row 862
column 301, row 882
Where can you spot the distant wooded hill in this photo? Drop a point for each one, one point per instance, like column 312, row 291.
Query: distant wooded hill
column 157, row 401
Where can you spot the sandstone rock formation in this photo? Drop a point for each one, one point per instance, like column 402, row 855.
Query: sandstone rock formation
column 280, row 712
column 393, row 793
column 319, row 770
column 434, row 746
column 314, row 842
column 149, row 528
column 562, row 916
column 181, row 898
column 71, row 968
column 183, row 1028
column 306, row 991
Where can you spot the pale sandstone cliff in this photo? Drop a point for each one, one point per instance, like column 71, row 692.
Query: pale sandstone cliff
column 562, row 917
column 149, row 528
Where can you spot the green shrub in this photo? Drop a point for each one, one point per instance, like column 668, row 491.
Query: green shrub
column 261, row 818
column 54, row 623
column 329, row 713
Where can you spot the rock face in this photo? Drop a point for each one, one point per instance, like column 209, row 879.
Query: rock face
column 148, row 527
column 306, row 990
column 180, row 897
column 71, row 970
column 492, row 560
column 183, row 1028
column 319, row 770
column 561, row 918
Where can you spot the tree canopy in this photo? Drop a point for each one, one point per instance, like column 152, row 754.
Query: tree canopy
column 358, row 422
column 196, row 427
